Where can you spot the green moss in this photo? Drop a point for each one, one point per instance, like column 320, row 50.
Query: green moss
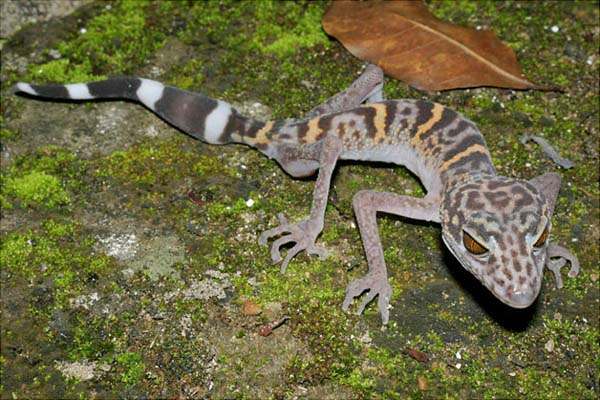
column 299, row 30
column 50, row 159
column 188, row 76
column 52, row 253
column 116, row 41
column 87, row 343
column 328, row 339
column 132, row 367
column 216, row 209
column 6, row 134
column 63, row 70
column 147, row 164
column 44, row 178
column 280, row 29
column 210, row 21
column 16, row 251
column 211, row 165
column 333, row 232
column 37, row 189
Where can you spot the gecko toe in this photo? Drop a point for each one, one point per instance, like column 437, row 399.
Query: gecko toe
column 290, row 254
column 375, row 285
column 558, row 256
column 368, row 297
column 320, row 252
column 574, row 271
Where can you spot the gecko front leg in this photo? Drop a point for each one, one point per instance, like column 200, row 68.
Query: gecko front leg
column 556, row 257
column 304, row 233
column 366, row 205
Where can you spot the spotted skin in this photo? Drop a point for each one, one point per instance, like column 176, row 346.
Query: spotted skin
column 497, row 227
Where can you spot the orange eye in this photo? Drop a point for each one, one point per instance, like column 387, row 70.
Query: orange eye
column 542, row 239
column 473, row 245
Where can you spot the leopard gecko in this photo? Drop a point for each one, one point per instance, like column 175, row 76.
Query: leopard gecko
column 497, row 227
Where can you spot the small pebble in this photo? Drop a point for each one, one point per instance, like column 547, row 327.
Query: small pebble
column 558, row 316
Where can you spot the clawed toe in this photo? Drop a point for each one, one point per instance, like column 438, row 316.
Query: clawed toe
column 303, row 234
column 282, row 228
column 373, row 286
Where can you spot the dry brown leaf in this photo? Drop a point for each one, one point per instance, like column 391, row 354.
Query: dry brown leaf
column 422, row 383
column 416, row 354
column 412, row 45
column 250, row 308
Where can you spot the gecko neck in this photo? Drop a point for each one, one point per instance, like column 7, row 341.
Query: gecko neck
column 461, row 177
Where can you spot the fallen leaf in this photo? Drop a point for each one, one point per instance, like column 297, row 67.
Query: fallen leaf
column 422, row 383
column 250, row 308
column 412, row 45
column 416, row 354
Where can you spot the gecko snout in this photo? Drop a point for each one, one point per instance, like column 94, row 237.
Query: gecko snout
column 521, row 297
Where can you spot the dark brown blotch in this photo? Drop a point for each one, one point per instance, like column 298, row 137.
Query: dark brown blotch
column 341, row 130
column 529, row 269
column 324, row 124
column 522, row 196
column 390, row 115
column 499, row 200
column 462, row 126
column 473, row 201
column 517, row 264
column 424, row 114
column 302, row 130
column 406, row 111
column 448, row 117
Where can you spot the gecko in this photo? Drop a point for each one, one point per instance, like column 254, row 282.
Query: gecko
column 497, row 227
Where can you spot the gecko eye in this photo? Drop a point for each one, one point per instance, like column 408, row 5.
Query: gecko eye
column 473, row 245
column 542, row 239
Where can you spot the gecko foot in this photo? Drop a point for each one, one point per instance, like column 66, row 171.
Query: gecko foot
column 557, row 257
column 303, row 234
column 373, row 284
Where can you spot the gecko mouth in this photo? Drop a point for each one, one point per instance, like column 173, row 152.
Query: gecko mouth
column 517, row 298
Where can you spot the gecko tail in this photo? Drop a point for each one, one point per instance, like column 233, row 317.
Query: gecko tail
column 213, row 121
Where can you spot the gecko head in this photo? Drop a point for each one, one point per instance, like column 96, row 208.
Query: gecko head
column 498, row 228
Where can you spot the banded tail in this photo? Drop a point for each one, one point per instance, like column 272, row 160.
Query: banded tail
column 213, row 121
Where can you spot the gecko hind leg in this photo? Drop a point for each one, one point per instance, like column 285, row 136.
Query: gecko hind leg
column 304, row 233
column 367, row 88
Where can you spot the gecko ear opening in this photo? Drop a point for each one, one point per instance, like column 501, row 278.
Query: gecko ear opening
column 549, row 185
